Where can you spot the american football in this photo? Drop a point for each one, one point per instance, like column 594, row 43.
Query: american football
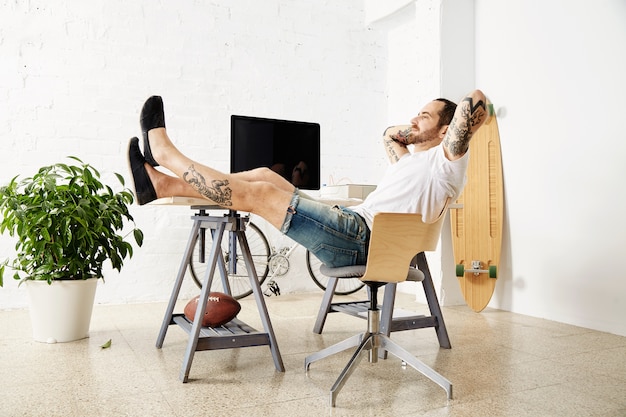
column 220, row 309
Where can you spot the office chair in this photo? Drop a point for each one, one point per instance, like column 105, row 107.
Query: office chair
column 395, row 240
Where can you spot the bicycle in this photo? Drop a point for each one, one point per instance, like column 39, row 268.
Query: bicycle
column 273, row 263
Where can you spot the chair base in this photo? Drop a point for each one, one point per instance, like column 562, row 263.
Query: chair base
column 371, row 342
column 388, row 323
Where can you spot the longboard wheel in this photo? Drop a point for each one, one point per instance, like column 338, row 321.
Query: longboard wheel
column 493, row 271
column 460, row 270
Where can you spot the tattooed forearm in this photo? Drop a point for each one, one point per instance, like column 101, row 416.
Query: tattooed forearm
column 395, row 143
column 391, row 152
column 402, row 136
column 467, row 119
column 457, row 137
column 218, row 191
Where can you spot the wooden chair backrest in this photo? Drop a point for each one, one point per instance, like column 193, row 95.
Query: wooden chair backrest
column 395, row 239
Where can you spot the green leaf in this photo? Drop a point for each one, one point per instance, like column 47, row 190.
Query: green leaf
column 45, row 234
column 138, row 236
column 120, row 178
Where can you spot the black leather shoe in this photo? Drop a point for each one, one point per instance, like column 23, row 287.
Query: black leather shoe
column 144, row 190
column 152, row 116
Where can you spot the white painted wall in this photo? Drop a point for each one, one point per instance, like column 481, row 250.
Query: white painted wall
column 74, row 74
column 555, row 70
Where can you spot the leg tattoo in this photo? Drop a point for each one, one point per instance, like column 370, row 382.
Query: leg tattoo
column 218, row 191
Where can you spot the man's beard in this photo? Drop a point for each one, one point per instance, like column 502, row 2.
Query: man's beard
column 426, row 136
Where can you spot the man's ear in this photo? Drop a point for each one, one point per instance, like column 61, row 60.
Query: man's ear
column 443, row 131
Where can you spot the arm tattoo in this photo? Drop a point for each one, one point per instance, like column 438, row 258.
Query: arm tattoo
column 460, row 131
column 400, row 138
column 393, row 155
column 218, row 191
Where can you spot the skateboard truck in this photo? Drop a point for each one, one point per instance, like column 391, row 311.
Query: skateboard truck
column 477, row 270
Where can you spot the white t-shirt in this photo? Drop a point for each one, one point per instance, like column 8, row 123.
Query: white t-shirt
column 418, row 183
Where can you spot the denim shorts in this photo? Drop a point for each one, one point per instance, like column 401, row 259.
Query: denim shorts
column 336, row 235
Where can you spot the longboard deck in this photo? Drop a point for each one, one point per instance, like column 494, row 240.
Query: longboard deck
column 477, row 222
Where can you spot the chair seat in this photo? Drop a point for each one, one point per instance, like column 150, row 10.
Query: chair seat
column 357, row 271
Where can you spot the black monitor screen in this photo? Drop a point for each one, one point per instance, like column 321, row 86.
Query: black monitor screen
column 289, row 148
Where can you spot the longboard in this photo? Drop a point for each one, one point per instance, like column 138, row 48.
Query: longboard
column 478, row 216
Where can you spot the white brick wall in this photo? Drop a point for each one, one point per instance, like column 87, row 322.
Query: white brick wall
column 73, row 76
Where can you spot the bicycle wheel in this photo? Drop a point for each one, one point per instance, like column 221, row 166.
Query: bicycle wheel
column 237, row 272
column 345, row 286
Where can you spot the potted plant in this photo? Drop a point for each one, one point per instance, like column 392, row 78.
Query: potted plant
column 67, row 224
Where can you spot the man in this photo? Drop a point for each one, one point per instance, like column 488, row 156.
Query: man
column 416, row 182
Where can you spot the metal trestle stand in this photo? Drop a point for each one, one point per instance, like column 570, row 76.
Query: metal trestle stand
column 234, row 334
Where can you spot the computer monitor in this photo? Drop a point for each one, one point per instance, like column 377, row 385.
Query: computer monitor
column 288, row 147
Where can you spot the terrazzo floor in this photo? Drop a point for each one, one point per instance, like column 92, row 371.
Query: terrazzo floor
column 501, row 364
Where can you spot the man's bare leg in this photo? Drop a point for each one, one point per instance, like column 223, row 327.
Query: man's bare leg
column 169, row 186
column 269, row 200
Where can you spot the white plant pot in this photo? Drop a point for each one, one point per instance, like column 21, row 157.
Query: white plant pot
column 61, row 312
